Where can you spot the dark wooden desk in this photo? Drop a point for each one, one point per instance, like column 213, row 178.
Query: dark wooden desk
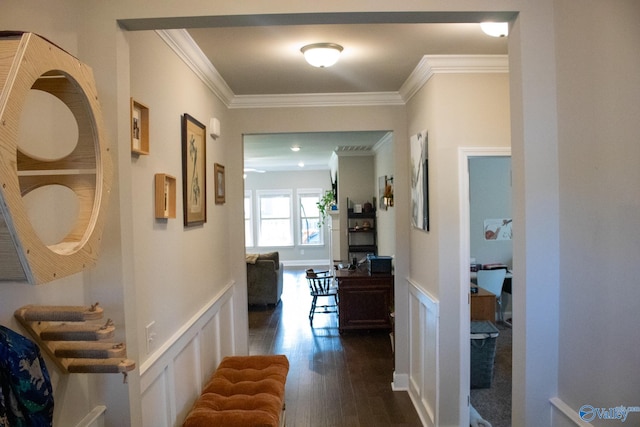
column 483, row 305
column 365, row 300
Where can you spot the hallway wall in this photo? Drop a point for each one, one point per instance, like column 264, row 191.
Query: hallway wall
column 457, row 110
column 74, row 396
column 183, row 282
column 573, row 108
column 599, row 201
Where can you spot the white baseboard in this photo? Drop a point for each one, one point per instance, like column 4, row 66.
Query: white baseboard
column 307, row 263
column 400, row 382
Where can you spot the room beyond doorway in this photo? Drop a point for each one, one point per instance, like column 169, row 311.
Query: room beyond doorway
column 465, row 154
column 272, row 169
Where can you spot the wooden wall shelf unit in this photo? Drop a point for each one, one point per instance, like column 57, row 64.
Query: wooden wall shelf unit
column 75, row 338
column 139, row 128
column 362, row 238
column 165, row 196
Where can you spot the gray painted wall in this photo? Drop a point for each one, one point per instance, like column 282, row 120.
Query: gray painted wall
column 489, row 198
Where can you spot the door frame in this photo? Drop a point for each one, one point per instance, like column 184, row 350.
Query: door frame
column 464, row 154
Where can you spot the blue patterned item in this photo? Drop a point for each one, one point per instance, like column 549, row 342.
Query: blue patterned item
column 26, row 394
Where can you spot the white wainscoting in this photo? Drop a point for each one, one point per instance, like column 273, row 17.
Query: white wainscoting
column 172, row 378
column 424, row 375
column 564, row 415
column 95, row 418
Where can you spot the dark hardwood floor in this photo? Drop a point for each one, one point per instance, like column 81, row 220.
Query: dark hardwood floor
column 334, row 380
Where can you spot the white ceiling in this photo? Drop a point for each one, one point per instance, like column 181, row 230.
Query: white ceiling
column 378, row 59
column 272, row 152
column 264, row 60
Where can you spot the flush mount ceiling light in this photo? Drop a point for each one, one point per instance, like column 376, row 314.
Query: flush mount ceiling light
column 495, row 29
column 295, row 148
column 321, row 55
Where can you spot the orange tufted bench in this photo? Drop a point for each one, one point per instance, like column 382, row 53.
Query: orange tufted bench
column 245, row 391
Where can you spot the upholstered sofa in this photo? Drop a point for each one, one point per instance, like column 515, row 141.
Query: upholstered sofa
column 264, row 278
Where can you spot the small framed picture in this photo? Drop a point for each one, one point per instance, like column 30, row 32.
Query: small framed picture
column 219, row 183
column 139, row 128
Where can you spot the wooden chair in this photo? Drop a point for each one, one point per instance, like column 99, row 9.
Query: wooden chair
column 322, row 284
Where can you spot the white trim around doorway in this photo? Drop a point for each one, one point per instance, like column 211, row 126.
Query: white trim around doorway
column 464, row 154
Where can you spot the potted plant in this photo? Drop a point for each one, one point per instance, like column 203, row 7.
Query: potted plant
column 326, row 203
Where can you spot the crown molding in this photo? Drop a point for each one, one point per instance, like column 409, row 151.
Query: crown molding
column 317, row 100
column 185, row 47
column 362, row 153
column 435, row 64
column 387, row 138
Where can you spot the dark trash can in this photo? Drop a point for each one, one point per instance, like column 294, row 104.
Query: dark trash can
column 483, row 353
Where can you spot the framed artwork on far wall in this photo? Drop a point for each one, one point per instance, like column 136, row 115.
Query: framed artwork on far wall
column 194, row 172
column 219, row 183
column 419, row 146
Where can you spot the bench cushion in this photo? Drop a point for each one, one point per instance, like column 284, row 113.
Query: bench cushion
column 245, row 391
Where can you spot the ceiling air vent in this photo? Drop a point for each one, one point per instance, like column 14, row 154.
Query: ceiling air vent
column 354, row 149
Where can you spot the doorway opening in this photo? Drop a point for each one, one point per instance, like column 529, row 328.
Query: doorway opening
column 321, row 161
column 494, row 403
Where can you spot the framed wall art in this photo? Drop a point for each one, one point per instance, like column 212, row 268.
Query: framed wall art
column 498, row 229
column 419, row 146
column 219, row 183
column 194, row 172
column 165, row 194
column 139, row 128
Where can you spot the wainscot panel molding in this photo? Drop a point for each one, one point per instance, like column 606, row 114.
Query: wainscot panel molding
column 566, row 413
column 424, row 378
column 95, row 417
column 173, row 377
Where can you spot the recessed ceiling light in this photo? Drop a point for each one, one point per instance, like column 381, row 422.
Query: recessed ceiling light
column 295, row 148
column 301, row 164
